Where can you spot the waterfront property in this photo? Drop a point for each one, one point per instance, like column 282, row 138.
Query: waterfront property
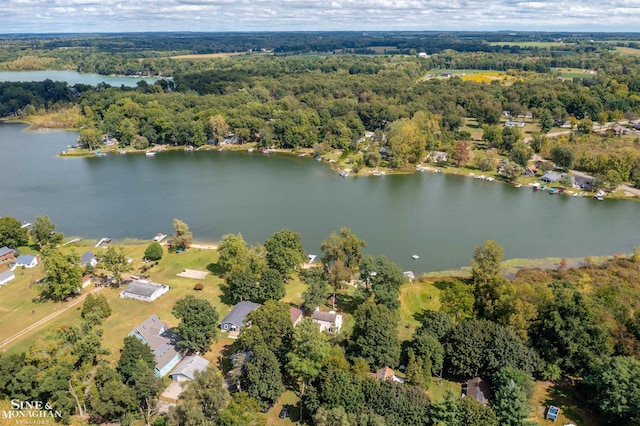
column 235, row 319
column 331, row 322
column 6, row 276
column 161, row 340
column 188, row 367
column 88, row 258
column 296, row 315
column 550, row 177
column 144, row 290
column 27, row 261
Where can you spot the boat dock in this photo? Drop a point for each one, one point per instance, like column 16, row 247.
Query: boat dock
column 103, row 241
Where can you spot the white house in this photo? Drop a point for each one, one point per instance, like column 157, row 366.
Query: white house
column 88, row 258
column 26, row 260
column 144, row 290
column 6, row 276
column 188, row 367
column 331, row 322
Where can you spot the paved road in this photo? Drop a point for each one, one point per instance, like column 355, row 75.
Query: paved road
column 46, row 319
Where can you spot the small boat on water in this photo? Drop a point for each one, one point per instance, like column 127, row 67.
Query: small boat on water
column 344, row 174
column 250, row 150
column 415, row 257
column 101, row 154
column 599, row 197
column 554, row 191
column 265, row 150
column 535, row 186
column 479, row 177
column 302, row 155
column 490, row 179
column 123, row 152
column 150, row 153
column 543, row 187
column 518, row 185
column 189, row 148
column 159, row 237
column 318, row 158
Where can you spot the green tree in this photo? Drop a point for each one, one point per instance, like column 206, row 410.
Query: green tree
column 461, row 153
column 90, row 137
column 114, row 260
column 511, row 170
column 219, row 127
column 487, row 261
column 135, row 356
column 562, row 156
column 435, row 322
column 233, row 253
column 11, row 233
column 375, row 335
column 457, row 300
column 241, row 285
column 97, row 306
column 146, row 387
column 270, row 325
column 344, row 246
column 153, row 252
column 384, row 278
column 271, row 285
column 545, row 119
column 182, row 237
column 613, row 390
column 426, row 346
column 63, row 273
column 198, row 324
column 492, row 135
column 510, row 137
column 110, row 400
column 285, row 252
column 317, row 289
column 538, row 141
column 261, row 377
column 310, row 348
column 44, row 232
column 511, row 406
column 202, row 400
column 241, row 411
column 521, row 153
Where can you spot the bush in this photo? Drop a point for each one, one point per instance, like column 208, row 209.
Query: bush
column 153, row 252
column 198, row 287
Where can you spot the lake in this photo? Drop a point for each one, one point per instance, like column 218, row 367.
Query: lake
column 436, row 216
column 73, row 77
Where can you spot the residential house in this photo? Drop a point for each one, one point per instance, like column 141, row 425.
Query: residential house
column 437, row 156
column 446, row 74
column 550, row 177
column 161, row 340
column 188, row 367
column 6, row 276
column 6, row 254
column 530, row 170
column 331, row 322
column 583, row 182
column 296, row 315
column 514, row 124
column 87, row 280
column 88, row 258
column 478, row 389
column 388, row 375
column 144, row 290
column 235, row 319
column 27, row 261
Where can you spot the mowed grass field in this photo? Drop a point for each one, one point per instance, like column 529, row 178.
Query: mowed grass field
column 205, row 56
column 628, row 51
column 540, row 44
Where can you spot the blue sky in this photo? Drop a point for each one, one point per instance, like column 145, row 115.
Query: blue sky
column 49, row 16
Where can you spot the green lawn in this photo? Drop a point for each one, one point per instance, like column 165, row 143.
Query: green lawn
column 564, row 397
column 415, row 298
column 438, row 389
column 540, row 44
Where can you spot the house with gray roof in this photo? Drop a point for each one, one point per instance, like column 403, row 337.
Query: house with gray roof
column 550, row 177
column 88, row 258
column 235, row 319
column 144, row 290
column 188, row 367
column 331, row 322
column 6, row 276
column 27, row 261
column 6, row 254
column 161, row 340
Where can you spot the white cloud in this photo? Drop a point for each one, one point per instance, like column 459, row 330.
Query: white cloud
column 44, row 16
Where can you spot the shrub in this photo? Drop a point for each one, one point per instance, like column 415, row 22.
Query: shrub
column 198, row 287
column 153, row 252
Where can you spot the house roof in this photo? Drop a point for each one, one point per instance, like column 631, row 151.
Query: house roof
column 6, row 274
column 385, row 373
column 551, row 176
column 324, row 316
column 164, row 354
column 295, row 314
column 25, row 259
column 5, row 251
column 478, row 389
column 151, row 328
column 142, row 288
column 190, row 365
column 239, row 312
column 87, row 257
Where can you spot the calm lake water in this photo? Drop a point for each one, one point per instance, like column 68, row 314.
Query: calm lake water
column 439, row 217
column 72, row 77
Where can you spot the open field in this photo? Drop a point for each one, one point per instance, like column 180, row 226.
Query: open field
column 205, row 56
column 573, row 72
column 628, row 51
column 540, row 44
column 415, row 298
column 382, row 49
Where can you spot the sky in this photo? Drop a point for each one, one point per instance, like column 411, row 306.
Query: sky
column 81, row 16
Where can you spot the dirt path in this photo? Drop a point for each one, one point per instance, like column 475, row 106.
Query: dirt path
column 46, row 319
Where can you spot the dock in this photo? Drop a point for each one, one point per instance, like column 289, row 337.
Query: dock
column 102, row 241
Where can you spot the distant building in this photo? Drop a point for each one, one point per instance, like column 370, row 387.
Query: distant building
column 157, row 335
column 437, row 156
column 87, row 280
column 235, row 319
column 387, row 374
column 144, row 290
column 26, row 260
column 188, row 367
column 6, row 276
column 514, row 124
column 330, row 322
column 583, row 182
column 6, row 254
